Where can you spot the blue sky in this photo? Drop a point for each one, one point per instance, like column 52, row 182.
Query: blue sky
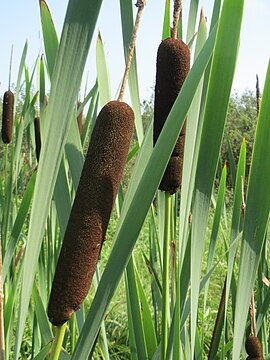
column 20, row 21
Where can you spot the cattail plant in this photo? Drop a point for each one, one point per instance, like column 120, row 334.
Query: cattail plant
column 93, row 204
column 7, row 116
column 173, row 63
column 8, row 104
column 37, row 136
column 91, row 210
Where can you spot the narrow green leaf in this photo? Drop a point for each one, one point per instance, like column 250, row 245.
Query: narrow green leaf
column 236, row 226
column 149, row 330
column 44, row 352
column 166, row 32
column 190, row 155
column 192, row 17
column 71, row 57
column 217, row 100
column 215, row 227
column 17, row 227
column 49, row 35
column 42, row 318
column 19, row 77
column 102, row 73
column 256, row 218
column 138, row 329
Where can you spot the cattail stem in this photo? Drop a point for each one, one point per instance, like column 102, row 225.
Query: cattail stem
column 176, row 15
column 258, row 95
column 10, row 66
column 140, row 4
column 252, row 315
column 2, row 333
column 165, row 277
column 58, row 341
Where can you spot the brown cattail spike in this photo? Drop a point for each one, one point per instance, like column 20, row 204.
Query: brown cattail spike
column 173, row 64
column 91, row 210
column 37, row 136
column 254, row 348
column 7, row 117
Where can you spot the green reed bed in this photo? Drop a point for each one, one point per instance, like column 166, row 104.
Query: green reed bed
column 180, row 264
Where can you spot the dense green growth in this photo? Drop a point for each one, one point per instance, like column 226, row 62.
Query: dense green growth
column 241, row 122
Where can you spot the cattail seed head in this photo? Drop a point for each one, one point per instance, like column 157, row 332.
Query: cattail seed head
column 253, row 348
column 37, row 136
column 7, row 117
column 173, row 64
column 91, row 210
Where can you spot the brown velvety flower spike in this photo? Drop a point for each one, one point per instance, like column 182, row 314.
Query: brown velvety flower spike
column 91, row 210
column 7, row 117
column 37, row 136
column 254, row 348
column 173, row 64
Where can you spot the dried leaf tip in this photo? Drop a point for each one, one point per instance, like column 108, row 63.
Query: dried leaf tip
column 140, row 3
column 202, row 16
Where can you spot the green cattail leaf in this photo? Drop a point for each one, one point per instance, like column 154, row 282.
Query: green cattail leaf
column 236, row 226
column 231, row 159
column 49, row 35
column 19, row 76
column 132, row 288
column 166, row 32
column 192, row 18
column 62, row 198
column 138, row 201
column 217, row 100
column 256, row 218
column 18, row 224
column 42, row 318
column 42, row 94
column 75, row 41
column 127, row 31
column 91, row 114
column 149, row 330
column 74, row 152
column 191, row 151
column 102, row 74
column 43, row 352
column 215, row 227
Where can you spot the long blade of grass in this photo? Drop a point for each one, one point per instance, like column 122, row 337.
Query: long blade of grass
column 50, row 38
column 42, row 318
column 256, row 218
column 76, row 37
column 17, row 227
column 218, row 94
column 215, row 227
column 102, row 73
column 149, row 331
column 135, row 311
column 166, row 32
column 189, row 164
column 139, row 203
column 236, row 226
column 192, row 17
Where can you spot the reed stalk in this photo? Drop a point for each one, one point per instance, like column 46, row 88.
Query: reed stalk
column 165, row 276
